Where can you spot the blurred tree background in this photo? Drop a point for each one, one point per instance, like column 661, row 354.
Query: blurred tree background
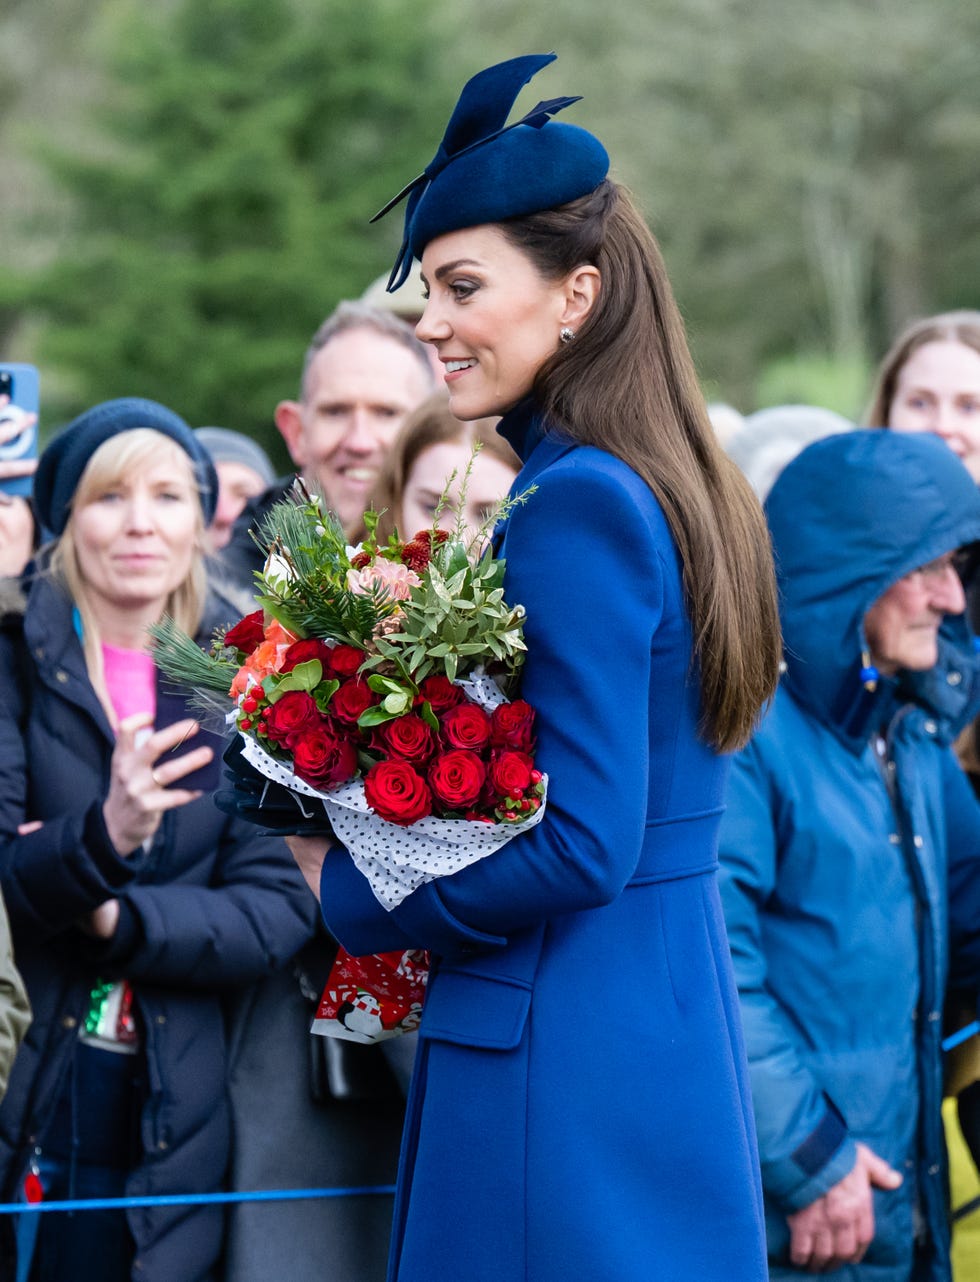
column 186, row 186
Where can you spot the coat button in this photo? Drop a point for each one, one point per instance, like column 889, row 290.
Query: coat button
column 930, row 727
column 39, row 652
column 933, row 1016
column 61, row 676
column 162, row 1145
column 954, row 678
column 894, row 838
column 917, row 842
column 69, row 1021
column 933, row 1170
column 161, row 1019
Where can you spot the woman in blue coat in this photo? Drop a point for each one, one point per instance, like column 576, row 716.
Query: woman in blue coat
column 579, row 1107
column 850, row 857
column 135, row 905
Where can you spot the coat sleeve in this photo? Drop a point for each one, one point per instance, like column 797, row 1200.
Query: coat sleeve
column 50, row 877
column 255, row 914
column 15, row 1011
column 962, row 810
column 584, row 560
column 804, row 1147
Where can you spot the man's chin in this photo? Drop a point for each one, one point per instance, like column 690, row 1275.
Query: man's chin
column 348, row 510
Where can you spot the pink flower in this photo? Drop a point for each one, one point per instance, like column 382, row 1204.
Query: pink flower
column 397, row 580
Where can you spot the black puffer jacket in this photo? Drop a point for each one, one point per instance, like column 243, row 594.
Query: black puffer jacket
column 211, row 906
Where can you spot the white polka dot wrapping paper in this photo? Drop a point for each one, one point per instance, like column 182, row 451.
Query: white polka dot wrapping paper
column 395, row 860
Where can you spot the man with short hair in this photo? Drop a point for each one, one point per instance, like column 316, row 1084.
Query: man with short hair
column 363, row 373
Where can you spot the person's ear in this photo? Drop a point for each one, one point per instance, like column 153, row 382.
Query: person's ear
column 289, row 420
column 581, row 290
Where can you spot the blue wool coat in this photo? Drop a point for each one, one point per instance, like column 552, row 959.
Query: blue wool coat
column 840, row 850
column 212, row 905
column 580, row 1107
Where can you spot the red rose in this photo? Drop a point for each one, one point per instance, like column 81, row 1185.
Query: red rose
column 344, row 660
column 293, row 714
column 440, row 693
column 247, row 634
column 466, row 726
column 456, row 778
column 408, row 738
column 351, row 699
column 303, row 652
column 397, row 793
column 511, row 726
column 322, row 758
column 510, row 773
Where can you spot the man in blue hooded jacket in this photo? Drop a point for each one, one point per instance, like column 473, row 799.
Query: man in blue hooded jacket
column 851, row 857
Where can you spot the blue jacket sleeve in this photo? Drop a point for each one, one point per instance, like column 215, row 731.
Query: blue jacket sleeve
column 583, row 557
column 804, row 1147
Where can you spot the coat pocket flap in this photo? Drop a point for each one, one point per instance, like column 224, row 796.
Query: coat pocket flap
column 488, row 1011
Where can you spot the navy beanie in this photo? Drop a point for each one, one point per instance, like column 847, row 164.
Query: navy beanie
column 64, row 460
column 486, row 170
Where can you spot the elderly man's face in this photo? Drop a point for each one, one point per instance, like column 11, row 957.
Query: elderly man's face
column 902, row 626
column 358, row 390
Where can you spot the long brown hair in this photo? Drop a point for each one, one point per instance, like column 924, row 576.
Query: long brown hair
column 948, row 327
column 627, row 384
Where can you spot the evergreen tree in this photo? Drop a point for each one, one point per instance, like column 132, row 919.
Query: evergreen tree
column 244, row 145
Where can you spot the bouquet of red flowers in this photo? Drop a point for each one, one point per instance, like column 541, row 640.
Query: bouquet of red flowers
column 372, row 683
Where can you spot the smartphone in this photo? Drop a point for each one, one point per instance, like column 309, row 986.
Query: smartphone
column 18, row 423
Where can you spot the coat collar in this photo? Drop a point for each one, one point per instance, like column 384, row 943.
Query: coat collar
column 535, row 441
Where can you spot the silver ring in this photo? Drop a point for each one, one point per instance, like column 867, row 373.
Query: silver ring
column 153, row 776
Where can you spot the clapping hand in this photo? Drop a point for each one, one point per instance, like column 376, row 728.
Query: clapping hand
column 139, row 790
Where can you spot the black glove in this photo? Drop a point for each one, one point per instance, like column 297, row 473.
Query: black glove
column 257, row 800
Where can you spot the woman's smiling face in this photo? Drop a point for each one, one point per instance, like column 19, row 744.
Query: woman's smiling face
column 938, row 390
column 491, row 316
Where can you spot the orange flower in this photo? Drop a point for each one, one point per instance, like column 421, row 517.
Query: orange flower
column 264, row 659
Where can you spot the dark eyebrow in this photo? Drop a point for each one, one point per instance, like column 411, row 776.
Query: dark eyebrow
column 447, row 268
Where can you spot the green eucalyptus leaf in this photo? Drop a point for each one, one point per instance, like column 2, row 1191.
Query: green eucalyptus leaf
column 397, row 704
column 376, row 716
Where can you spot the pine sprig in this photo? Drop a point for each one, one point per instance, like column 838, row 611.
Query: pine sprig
column 313, row 608
column 183, row 660
column 303, row 583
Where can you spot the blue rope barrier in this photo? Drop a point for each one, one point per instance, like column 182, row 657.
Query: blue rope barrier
column 192, row 1199
column 961, row 1035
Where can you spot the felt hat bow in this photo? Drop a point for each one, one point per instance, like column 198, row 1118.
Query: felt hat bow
column 486, row 170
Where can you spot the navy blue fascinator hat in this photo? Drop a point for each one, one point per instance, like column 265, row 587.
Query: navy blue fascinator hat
column 486, row 170
column 64, row 460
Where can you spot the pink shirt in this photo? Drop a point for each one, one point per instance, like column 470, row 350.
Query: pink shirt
column 130, row 678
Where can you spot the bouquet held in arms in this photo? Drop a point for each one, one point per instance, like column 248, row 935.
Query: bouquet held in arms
column 372, row 686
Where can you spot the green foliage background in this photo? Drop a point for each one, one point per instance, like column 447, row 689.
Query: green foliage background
column 186, row 186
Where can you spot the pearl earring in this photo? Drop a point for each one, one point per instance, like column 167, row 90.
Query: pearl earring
column 565, row 334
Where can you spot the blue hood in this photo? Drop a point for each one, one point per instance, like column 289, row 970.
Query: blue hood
column 849, row 517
